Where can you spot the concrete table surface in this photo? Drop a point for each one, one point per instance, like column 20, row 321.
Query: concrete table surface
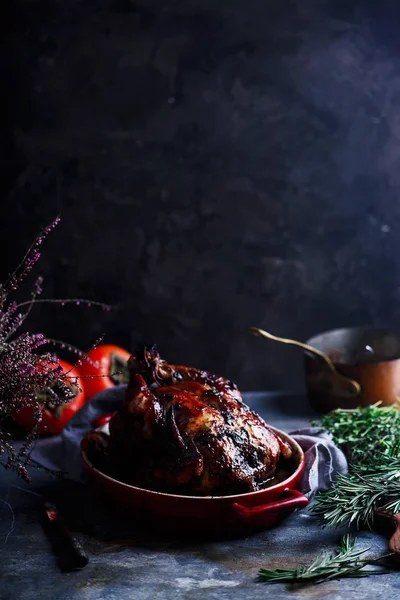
column 129, row 564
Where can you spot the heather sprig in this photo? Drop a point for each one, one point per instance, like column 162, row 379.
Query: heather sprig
column 29, row 260
column 25, row 372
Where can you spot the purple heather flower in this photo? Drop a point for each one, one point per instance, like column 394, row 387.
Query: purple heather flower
column 23, row 372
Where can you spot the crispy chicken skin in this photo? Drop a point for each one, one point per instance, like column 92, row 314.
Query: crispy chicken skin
column 187, row 431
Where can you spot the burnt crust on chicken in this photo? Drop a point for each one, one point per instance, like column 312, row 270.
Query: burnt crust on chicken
column 188, row 431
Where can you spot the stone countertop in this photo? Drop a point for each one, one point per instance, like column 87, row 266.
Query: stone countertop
column 128, row 564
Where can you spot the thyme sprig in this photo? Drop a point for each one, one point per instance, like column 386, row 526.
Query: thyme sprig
column 366, row 430
column 345, row 562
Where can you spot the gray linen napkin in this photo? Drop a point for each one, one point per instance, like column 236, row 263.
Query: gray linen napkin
column 322, row 457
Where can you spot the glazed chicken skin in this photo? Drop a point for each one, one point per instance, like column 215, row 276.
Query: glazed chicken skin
column 187, row 431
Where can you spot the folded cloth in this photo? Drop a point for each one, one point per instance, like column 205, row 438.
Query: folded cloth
column 63, row 452
column 323, row 459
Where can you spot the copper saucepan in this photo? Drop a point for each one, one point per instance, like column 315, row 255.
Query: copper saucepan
column 369, row 356
column 347, row 368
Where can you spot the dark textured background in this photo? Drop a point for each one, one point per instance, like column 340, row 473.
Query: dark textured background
column 217, row 164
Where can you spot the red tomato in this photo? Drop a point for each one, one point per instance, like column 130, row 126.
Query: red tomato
column 108, row 361
column 54, row 417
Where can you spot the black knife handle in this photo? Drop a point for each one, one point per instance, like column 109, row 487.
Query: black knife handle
column 68, row 548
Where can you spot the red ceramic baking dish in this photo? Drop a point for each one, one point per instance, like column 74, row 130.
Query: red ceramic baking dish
column 226, row 515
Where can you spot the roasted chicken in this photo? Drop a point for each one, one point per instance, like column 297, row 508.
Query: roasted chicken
column 187, row 431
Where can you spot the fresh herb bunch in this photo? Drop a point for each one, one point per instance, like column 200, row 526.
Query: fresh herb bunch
column 366, row 430
column 346, row 562
column 24, row 373
column 354, row 497
column 371, row 436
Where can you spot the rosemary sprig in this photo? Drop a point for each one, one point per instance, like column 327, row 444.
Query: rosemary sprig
column 373, row 481
column 354, row 498
column 346, row 562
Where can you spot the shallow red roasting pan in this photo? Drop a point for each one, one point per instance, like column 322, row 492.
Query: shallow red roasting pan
column 208, row 515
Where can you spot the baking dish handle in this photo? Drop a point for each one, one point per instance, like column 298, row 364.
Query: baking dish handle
column 291, row 499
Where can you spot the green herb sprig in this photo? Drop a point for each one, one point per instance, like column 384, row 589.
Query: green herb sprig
column 354, row 497
column 373, row 436
column 346, row 562
column 368, row 431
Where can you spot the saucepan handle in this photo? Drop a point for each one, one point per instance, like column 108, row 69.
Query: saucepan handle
column 291, row 499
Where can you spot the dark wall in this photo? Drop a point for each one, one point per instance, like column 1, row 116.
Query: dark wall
column 216, row 164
